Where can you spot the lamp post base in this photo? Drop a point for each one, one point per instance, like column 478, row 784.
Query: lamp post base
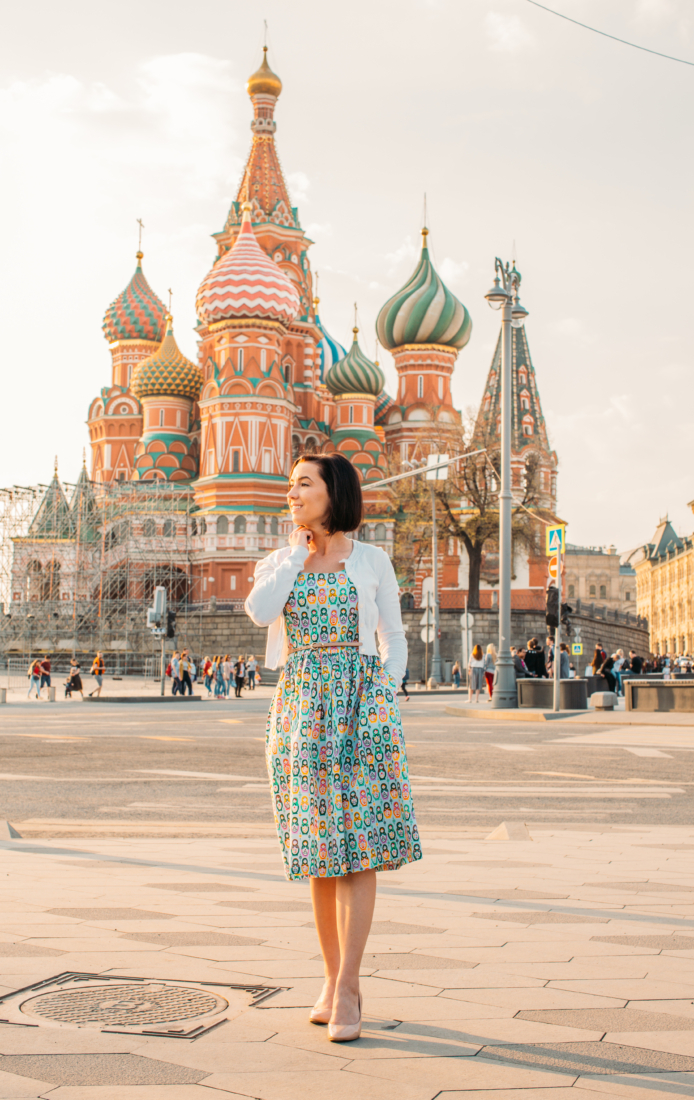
column 505, row 694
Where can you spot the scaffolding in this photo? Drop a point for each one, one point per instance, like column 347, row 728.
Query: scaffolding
column 79, row 563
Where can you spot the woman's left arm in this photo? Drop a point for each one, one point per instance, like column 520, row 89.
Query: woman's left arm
column 392, row 643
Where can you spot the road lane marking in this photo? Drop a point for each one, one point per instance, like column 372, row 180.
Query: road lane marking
column 194, row 775
column 648, row 752
column 514, row 748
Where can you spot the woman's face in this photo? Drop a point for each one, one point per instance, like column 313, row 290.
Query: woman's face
column 308, row 495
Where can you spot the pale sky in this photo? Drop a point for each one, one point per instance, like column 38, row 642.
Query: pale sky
column 519, row 126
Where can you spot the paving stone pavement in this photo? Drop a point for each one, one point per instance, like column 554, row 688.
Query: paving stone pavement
column 555, row 968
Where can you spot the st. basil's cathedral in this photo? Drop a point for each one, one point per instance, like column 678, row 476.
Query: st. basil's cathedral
column 270, row 383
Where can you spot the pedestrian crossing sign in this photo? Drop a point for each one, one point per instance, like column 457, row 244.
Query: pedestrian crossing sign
column 576, row 649
column 555, row 540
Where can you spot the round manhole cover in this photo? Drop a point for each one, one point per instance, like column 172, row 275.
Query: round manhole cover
column 126, row 1005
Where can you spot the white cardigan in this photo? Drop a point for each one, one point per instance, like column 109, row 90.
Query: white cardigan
column 370, row 570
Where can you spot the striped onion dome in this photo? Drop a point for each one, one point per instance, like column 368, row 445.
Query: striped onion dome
column 245, row 282
column 167, row 373
column 384, row 403
column 354, row 373
column 137, row 313
column 424, row 311
column 329, row 350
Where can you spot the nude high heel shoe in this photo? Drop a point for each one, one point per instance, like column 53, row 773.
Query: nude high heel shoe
column 320, row 1015
column 345, row 1033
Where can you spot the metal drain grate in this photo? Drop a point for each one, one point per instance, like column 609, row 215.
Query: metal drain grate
column 134, row 1006
column 128, row 1005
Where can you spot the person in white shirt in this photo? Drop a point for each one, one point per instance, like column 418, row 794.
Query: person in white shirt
column 251, row 666
column 335, row 748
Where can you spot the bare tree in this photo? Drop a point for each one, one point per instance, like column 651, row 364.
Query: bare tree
column 467, row 502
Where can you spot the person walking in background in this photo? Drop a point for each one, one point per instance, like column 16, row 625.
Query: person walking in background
column 45, row 669
column 218, row 677
column 251, row 666
column 175, row 672
column 535, row 659
column 475, row 674
column 207, row 675
column 404, row 683
column 564, row 662
column 239, row 674
column 227, row 669
column 98, row 670
column 490, row 667
column 455, row 673
column 74, row 679
column 186, row 666
column 34, row 674
column 549, row 657
column 334, row 729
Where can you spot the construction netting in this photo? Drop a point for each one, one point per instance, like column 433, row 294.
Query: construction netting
column 79, row 563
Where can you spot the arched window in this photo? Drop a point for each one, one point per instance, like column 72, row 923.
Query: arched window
column 169, row 529
column 603, row 591
column 34, row 580
column 420, row 385
column 523, row 376
column 440, row 387
column 235, row 462
column 380, row 532
column 161, row 418
column 592, row 590
column 528, row 425
column 274, row 526
column 240, row 361
column 240, row 525
column 149, row 528
column 222, row 525
column 525, row 399
column 261, row 525
column 203, row 526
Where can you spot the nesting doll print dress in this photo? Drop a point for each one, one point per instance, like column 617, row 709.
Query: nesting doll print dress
column 335, row 748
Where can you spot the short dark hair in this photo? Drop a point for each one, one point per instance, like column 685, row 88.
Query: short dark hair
column 346, row 507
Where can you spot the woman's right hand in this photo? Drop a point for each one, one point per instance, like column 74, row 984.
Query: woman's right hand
column 301, row 536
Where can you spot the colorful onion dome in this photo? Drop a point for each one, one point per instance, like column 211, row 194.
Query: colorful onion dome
column 264, row 81
column 329, row 350
column 355, row 373
column 424, row 311
column 167, row 373
column 245, row 282
column 137, row 313
column 384, row 403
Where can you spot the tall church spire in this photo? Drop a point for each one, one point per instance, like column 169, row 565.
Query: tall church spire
column 528, row 426
column 263, row 183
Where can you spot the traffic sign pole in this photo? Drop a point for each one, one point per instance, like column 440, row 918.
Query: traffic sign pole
column 557, row 633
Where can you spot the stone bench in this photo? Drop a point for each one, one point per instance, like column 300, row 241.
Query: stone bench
column 662, row 695
column 604, row 700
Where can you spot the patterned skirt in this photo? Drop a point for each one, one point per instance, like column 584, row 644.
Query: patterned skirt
column 338, row 769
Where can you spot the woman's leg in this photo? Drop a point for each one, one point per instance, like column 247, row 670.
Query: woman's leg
column 325, row 916
column 355, row 897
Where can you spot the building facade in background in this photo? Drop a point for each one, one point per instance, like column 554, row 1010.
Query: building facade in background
column 598, row 575
column 664, row 570
column 214, row 439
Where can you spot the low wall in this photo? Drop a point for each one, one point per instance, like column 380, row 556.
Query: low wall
column 524, row 625
column 663, row 696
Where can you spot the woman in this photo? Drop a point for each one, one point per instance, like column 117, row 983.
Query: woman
column 74, row 679
column 455, row 673
column 606, row 671
column 239, row 675
column 489, row 667
column 207, row 674
column 475, row 674
column 34, row 674
column 251, row 666
column 98, row 670
column 335, row 749
column 218, row 677
column 564, row 662
column 226, row 673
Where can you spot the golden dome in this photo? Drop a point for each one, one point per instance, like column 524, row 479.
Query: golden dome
column 264, row 81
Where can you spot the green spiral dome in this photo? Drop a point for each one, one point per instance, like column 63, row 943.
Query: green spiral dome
column 355, row 373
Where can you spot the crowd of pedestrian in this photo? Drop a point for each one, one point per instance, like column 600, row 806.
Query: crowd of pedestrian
column 220, row 671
